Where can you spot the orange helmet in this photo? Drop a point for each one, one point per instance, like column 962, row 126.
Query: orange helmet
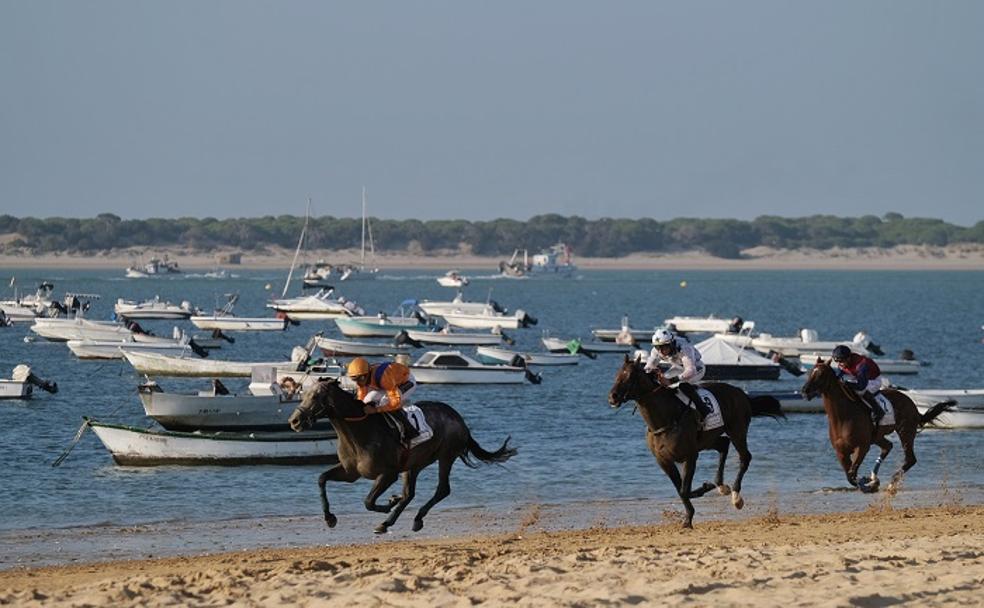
column 358, row 367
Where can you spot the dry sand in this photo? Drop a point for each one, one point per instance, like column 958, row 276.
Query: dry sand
column 955, row 257
column 879, row 557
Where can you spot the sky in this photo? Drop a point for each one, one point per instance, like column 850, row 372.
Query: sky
column 481, row 110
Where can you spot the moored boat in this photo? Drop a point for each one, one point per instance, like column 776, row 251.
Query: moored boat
column 560, row 345
column 231, row 323
column 453, row 278
column 155, row 364
column 153, row 309
column 135, row 446
column 454, row 367
column 343, row 348
column 709, row 324
column 447, row 338
column 494, row 355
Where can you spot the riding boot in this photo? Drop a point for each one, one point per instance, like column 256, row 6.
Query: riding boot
column 876, row 412
column 409, row 430
column 699, row 406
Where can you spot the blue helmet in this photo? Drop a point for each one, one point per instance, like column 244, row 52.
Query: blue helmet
column 841, row 353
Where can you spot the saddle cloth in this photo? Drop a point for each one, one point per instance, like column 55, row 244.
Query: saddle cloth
column 886, row 406
column 417, row 418
column 714, row 418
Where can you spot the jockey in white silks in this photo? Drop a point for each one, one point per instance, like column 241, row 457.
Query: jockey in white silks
column 686, row 367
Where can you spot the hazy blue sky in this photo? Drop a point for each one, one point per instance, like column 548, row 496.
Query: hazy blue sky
column 479, row 110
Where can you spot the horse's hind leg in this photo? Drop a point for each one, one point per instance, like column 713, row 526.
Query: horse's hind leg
column 856, row 459
column 740, row 441
column 383, row 482
column 722, row 444
column 409, row 487
column 336, row 473
column 442, row 492
column 908, row 440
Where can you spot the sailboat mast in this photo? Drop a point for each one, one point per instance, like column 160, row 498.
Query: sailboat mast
column 362, row 259
column 300, row 243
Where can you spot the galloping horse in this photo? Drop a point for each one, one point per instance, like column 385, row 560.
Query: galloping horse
column 673, row 435
column 852, row 431
column 368, row 448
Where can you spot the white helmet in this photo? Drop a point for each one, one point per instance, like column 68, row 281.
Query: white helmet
column 662, row 337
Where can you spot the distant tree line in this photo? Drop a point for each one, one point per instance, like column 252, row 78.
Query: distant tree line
column 606, row 237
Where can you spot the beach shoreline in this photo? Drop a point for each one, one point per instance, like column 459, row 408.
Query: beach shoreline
column 878, row 556
column 954, row 257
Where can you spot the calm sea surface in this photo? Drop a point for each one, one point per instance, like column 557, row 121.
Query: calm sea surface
column 574, row 449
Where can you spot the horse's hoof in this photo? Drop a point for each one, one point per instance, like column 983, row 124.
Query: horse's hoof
column 381, row 529
column 866, row 488
column 688, row 525
column 724, row 489
column 737, row 500
column 331, row 520
column 418, row 525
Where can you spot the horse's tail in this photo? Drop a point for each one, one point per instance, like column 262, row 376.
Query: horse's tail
column 766, row 405
column 499, row 456
column 935, row 411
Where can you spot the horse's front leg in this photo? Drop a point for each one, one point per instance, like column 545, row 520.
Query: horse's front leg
column 670, row 468
column 336, row 473
column 857, row 457
column 886, row 447
column 409, row 487
column 689, row 469
column 382, row 483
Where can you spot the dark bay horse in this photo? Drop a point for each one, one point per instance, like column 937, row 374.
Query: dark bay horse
column 852, row 431
column 368, row 448
column 673, row 435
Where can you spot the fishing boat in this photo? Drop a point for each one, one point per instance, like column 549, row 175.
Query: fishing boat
column 153, row 309
column 332, row 347
column 488, row 319
column 897, row 367
column 135, row 446
column 575, row 345
column 556, row 259
column 454, row 367
column 156, row 364
column 113, row 349
column 318, row 306
column 453, row 278
column 223, row 319
column 444, row 337
column 437, row 308
column 709, row 324
column 498, row 356
column 25, row 308
column 62, row 330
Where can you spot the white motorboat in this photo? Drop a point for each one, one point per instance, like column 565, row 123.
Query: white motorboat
column 453, row 367
column 22, row 382
column 22, row 309
column 134, row 446
column 724, row 361
column 264, row 407
column 345, row 348
column 231, row 323
column 447, row 338
column 380, row 326
column 494, row 355
column 62, row 330
column 807, row 342
column 453, row 278
column 458, row 306
column 624, row 335
column 710, row 325
column 572, row 346
column 135, row 272
column 489, row 319
column 887, row 366
column 154, row 309
column 156, row 364
column 318, row 306
column 956, row 417
column 971, row 398
column 113, row 349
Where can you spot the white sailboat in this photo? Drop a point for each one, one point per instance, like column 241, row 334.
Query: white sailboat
column 353, row 272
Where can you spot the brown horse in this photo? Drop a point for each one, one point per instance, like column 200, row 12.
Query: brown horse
column 852, row 431
column 368, row 448
column 673, row 435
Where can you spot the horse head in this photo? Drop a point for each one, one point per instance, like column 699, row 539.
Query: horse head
column 631, row 382
column 326, row 400
column 819, row 379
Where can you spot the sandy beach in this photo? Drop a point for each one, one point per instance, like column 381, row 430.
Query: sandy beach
column 876, row 557
column 954, row 257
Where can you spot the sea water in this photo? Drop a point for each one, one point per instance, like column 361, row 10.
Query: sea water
column 578, row 459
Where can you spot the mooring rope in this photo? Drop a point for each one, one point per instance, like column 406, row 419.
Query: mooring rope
column 71, row 446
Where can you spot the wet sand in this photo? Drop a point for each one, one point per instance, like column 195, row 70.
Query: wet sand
column 879, row 556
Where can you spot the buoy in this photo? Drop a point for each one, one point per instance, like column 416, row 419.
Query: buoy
column 267, row 287
column 683, row 283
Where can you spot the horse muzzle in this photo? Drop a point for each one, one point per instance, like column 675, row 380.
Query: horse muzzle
column 614, row 401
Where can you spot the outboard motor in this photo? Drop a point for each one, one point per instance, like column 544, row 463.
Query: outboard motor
column 907, row 355
column 793, row 368
column 497, row 307
column 22, row 373
column 525, row 320
column 735, row 325
column 863, row 339
column 506, row 338
column 197, row 349
column 532, row 377
column 403, row 338
column 217, row 334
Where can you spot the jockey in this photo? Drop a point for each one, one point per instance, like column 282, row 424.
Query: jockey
column 384, row 387
column 867, row 380
column 686, row 368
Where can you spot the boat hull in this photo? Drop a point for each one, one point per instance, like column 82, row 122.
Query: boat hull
column 13, row 389
column 335, row 348
column 240, row 323
column 478, row 321
column 452, row 339
column 501, row 355
column 153, row 364
column 374, row 327
column 96, row 349
column 179, row 412
column 468, row 375
column 556, row 345
column 132, row 446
